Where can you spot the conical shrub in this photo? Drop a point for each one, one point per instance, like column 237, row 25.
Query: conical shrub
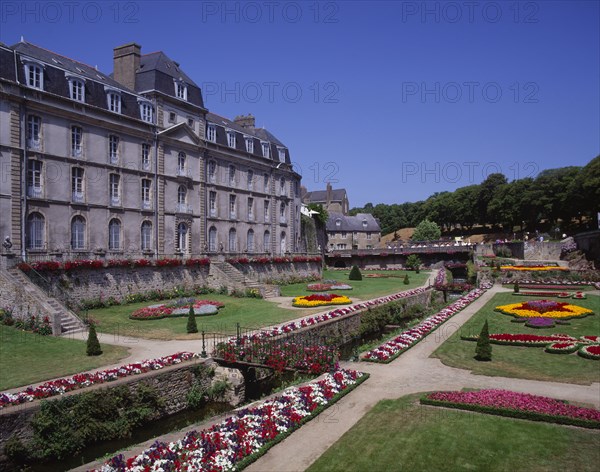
column 355, row 273
column 483, row 350
column 93, row 345
column 191, row 323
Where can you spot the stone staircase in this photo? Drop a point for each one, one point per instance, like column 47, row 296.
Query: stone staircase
column 64, row 321
column 223, row 274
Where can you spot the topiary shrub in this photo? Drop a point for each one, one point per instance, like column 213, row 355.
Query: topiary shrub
column 516, row 287
column 406, row 281
column 93, row 345
column 483, row 350
column 191, row 322
column 355, row 273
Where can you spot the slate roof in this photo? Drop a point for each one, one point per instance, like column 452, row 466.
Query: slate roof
column 320, row 196
column 352, row 223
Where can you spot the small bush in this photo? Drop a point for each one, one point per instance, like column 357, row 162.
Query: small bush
column 355, row 273
column 93, row 345
column 483, row 350
column 516, row 287
column 406, row 281
column 191, row 323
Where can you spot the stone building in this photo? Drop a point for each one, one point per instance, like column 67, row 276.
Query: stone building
column 352, row 232
column 132, row 163
column 333, row 200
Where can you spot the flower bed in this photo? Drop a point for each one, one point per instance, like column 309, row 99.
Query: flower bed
column 390, row 350
column 320, row 299
column 543, row 294
column 273, row 260
column 550, row 285
column 77, row 381
column 240, row 439
column 516, row 405
column 325, row 286
column 539, row 323
column 537, row 268
column 173, row 310
column 99, row 264
column 544, row 309
column 590, row 352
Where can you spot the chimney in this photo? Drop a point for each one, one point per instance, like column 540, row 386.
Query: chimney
column 245, row 121
column 126, row 62
column 328, row 193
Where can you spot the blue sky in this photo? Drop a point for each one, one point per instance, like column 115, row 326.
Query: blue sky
column 391, row 100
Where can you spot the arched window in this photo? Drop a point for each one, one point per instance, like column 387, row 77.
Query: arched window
column 250, row 241
column 114, row 234
column 182, row 237
column 212, row 239
column 232, row 240
column 283, row 242
column 78, row 233
column 267, row 242
column 35, row 231
column 146, row 236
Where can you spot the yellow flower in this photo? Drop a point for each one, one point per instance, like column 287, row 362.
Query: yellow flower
column 514, row 309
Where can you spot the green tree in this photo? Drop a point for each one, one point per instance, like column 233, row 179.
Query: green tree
column 483, row 350
column 427, row 231
column 413, row 262
column 191, row 323
column 93, row 345
column 355, row 273
column 406, row 281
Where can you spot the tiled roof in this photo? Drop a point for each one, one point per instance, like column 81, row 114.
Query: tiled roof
column 320, row 196
column 360, row 222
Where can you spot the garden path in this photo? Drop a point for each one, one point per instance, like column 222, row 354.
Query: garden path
column 413, row 372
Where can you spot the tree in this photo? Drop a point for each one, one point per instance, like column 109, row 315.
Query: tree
column 483, row 350
column 406, row 281
column 427, row 231
column 413, row 262
column 355, row 273
column 191, row 323
column 516, row 287
column 93, row 345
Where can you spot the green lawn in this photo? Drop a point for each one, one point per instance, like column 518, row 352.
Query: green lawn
column 367, row 287
column 249, row 312
column 401, row 435
column 27, row 358
column 524, row 362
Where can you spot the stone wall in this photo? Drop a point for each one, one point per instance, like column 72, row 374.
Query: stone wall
column 282, row 272
column 172, row 383
column 542, row 251
column 396, row 261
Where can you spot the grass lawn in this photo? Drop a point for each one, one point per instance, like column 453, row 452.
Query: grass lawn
column 27, row 358
column 365, row 288
column 249, row 312
column 401, row 435
column 524, row 362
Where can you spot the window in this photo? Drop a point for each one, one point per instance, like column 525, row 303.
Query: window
column 34, row 75
column 212, row 239
column 250, row 180
column 232, row 176
column 181, row 90
column 172, row 117
column 182, row 199
column 76, row 141
column 145, row 156
column 34, row 179
column 35, row 231
column 147, row 112
column 344, row 235
column 114, row 189
column 114, row 235
column 250, row 241
column 191, row 123
column 76, row 89
column 113, row 99
column 283, row 242
column 77, row 233
column 368, row 235
column 211, row 133
column 281, row 152
column 296, row 188
column 250, row 209
column 267, row 213
column 113, row 148
column 232, row 240
column 266, row 150
column 338, row 222
column 231, row 139
column 266, row 182
column 341, row 246
column 181, row 164
column 146, row 188
column 232, row 207
column 282, row 211
column 146, row 236
column 364, row 223
column 212, row 171
column 34, row 127
column 212, row 203
column 267, row 241
column 77, row 184
column 182, row 237
column 250, row 144
column 282, row 186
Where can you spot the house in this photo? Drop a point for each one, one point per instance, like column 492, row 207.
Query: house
column 333, row 200
column 352, row 232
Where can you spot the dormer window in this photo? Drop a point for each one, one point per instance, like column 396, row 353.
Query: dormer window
column 364, row 223
column 76, row 89
column 249, row 144
column 281, row 154
column 34, row 75
column 113, row 99
column 231, row 139
column 211, row 133
column 266, row 150
column 180, row 90
column 338, row 222
column 146, row 111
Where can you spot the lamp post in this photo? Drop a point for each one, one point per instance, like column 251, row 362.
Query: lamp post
column 203, row 353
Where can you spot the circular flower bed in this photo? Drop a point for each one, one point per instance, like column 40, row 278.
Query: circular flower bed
column 562, row 348
column 176, row 309
column 540, row 323
column 327, row 285
column 544, row 309
column 320, row 299
column 590, row 352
